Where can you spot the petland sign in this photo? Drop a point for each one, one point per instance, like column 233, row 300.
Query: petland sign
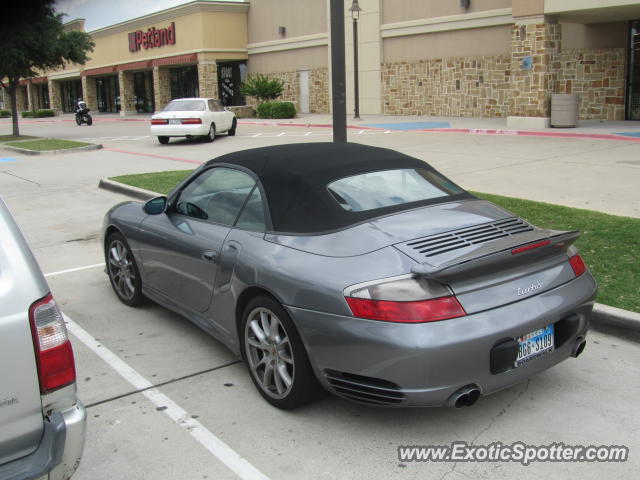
column 152, row 38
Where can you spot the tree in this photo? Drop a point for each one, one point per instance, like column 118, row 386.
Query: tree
column 34, row 40
column 261, row 87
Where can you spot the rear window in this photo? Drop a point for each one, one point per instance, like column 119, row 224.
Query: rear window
column 185, row 106
column 386, row 188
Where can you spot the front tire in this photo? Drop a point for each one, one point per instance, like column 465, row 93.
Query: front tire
column 89, row 119
column 78, row 120
column 275, row 355
column 163, row 140
column 123, row 271
column 232, row 130
column 211, row 136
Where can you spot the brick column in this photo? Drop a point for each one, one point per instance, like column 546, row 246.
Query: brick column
column 55, row 96
column 127, row 98
column 21, row 99
column 32, row 99
column 535, row 63
column 161, row 87
column 90, row 93
column 208, row 78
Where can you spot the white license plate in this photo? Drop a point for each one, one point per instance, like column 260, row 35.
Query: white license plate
column 535, row 344
column 175, row 121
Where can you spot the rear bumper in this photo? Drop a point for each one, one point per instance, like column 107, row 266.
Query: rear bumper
column 179, row 130
column 58, row 455
column 399, row 365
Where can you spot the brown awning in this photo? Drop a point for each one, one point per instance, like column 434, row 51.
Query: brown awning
column 98, row 71
column 142, row 65
column 178, row 59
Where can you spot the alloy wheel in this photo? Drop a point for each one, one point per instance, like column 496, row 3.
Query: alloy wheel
column 269, row 352
column 122, row 270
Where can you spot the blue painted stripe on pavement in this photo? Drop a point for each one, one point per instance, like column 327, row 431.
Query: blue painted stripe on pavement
column 7, row 159
column 629, row 134
column 409, row 125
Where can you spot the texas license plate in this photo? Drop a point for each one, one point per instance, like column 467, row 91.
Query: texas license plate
column 535, row 344
column 174, row 121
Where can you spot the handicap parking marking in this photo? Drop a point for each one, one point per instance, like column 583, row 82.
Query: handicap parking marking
column 7, row 159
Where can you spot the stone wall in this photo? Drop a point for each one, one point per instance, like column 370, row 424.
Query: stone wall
column 598, row 77
column 161, row 87
column 55, row 96
column 208, row 79
column 90, row 93
column 454, row 87
column 531, row 88
column 319, row 90
column 127, row 96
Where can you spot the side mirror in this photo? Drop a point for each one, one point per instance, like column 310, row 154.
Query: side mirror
column 155, row 206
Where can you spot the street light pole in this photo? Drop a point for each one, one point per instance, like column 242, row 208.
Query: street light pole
column 355, row 15
column 338, row 71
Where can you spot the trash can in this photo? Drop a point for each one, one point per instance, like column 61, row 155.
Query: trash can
column 564, row 109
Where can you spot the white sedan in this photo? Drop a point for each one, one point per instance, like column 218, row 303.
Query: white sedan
column 191, row 117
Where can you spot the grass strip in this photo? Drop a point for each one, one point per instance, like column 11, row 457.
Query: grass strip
column 45, row 144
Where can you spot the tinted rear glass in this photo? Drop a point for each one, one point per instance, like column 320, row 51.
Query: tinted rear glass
column 185, row 106
column 387, row 188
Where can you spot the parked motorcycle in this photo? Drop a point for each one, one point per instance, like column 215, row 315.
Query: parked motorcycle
column 82, row 113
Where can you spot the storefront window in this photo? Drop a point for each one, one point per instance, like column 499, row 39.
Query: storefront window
column 184, row 82
column 108, row 93
column 230, row 76
column 143, row 92
column 71, row 92
column 42, row 93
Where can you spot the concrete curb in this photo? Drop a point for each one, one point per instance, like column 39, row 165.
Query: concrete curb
column 25, row 151
column 117, row 187
column 616, row 321
column 611, row 320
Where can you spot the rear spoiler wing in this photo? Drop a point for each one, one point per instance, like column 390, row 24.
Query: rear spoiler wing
column 501, row 253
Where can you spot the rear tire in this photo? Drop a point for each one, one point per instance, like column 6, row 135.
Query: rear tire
column 163, row 140
column 232, row 130
column 275, row 355
column 211, row 136
column 78, row 120
column 123, row 271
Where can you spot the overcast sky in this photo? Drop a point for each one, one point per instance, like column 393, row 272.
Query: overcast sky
column 102, row 13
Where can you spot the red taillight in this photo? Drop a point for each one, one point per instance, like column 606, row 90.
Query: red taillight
column 159, row 121
column 54, row 355
column 191, row 121
column 531, row 246
column 406, row 312
column 578, row 265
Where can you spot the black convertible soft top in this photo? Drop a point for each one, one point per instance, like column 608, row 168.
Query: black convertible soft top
column 295, row 179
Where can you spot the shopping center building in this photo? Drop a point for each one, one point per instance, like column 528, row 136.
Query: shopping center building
column 460, row 58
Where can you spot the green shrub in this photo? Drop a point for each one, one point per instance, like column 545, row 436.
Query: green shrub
column 264, row 110
column 276, row 110
column 283, row 110
column 5, row 113
column 27, row 114
column 45, row 113
column 262, row 87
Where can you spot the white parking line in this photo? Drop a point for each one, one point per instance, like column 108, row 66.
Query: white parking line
column 175, row 412
column 71, row 270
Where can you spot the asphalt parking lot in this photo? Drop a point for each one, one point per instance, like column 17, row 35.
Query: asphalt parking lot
column 167, row 402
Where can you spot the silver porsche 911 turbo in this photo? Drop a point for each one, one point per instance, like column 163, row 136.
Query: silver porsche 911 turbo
column 357, row 270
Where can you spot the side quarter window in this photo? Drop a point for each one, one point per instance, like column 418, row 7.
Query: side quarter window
column 216, row 195
column 252, row 216
column 212, row 105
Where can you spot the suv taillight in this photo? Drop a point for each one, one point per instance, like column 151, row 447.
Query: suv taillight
column 403, row 299
column 54, row 355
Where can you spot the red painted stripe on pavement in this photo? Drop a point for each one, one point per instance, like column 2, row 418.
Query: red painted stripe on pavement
column 528, row 133
column 153, row 155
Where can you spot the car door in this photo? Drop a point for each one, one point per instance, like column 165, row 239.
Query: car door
column 181, row 248
column 223, row 122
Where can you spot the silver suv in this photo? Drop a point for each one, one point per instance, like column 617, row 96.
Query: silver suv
column 42, row 422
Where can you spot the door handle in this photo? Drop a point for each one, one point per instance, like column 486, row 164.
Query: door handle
column 210, row 256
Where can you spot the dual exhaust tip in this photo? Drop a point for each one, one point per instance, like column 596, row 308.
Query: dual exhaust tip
column 464, row 397
column 469, row 394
